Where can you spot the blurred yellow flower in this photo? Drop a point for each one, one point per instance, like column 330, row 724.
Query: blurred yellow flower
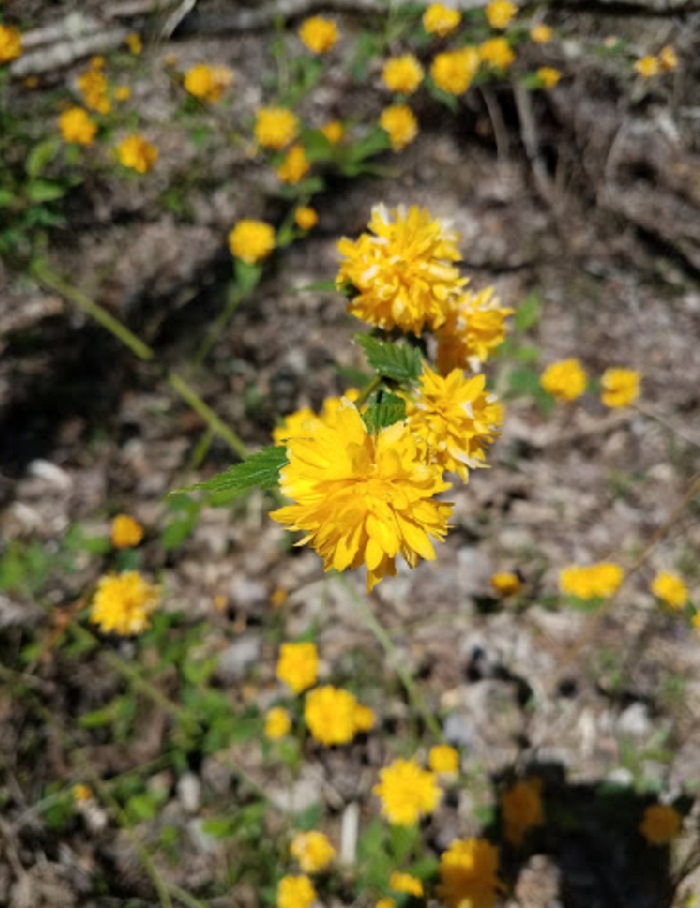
column 134, row 43
column 565, row 380
column 668, row 59
column 295, row 166
column 440, row 20
column 443, row 759
column 474, row 327
column 10, row 43
column 208, row 83
column 124, row 603
column 469, row 875
column 122, row 93
column 500, row 12
column 278, row 723
column 506, row 583
column 385, row 903
column 669, row 588
column 541, row 34
column 620, row 387
column 453, row 70
column 404, row 882
column 497, row 52
column 402, row 74
column 295, row 892
column 647, row 66
column 294, row 424
column 137, row 154
column 333, row 131
column 363, row 718
column 407, row 792
column 93, row 86
column 660, row 824
column 400, row 125
column 329, row 713
column 76, row 126
column 319, row 34
column 312, row 850
column 81, row 793
column 306, row 218
column 521, row 807
column 251, row 241
column 297, row 665
column 596, row 581
column 548, row 76
column 126, row 532
column 276, row 127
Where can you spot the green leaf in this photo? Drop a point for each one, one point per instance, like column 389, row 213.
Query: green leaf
column 373, row 143
column 247, row 276
column 40, row 156
column 403, row 841
column 444, row 97
column 259, row 471
column 529, row 312
column 385, row 412
column 44, row 191
column 368, row 46
column 524, row 381
column 527, row 354
column 397, row 361
column 312, row 288
column 7, row 198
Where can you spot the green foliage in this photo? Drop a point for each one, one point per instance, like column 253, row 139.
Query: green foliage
column 259, row 471
column 399, row 362
column 384, row 410
column 528, row 313
column 185, row 513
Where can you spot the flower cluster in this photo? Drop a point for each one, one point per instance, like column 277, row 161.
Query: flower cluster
column 124, row 603
column 10, row 43
column 208, row 83
column 137, row 154
column 597, row 581
column 407, row 792
column 469, row 874
column 566, row 380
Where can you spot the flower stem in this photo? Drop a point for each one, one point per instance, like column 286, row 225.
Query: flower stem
column 371, row 386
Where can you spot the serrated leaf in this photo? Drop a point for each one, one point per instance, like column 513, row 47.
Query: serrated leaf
column 385, row 412
column 397, row 361
column 259, row 471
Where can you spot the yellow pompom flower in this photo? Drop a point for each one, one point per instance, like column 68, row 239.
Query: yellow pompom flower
column 407, row 792
column 669, row 588
column 548, row 76
column 469, row 874
column 295, row 892
column 93, row 86
column 126, row 532
column 77, row 126
column 565, row 380
column 297, row 665
column 295, row 166
column 122, row 93
column 500, row 13
column 402, row 276
column 400, row 125
column 10, row 43
column 278, row 723
column 474, row 327
column 506, row 583
column 596, row 581
column 306, row 218
column 497, row 52
column 276, row 127
column 453, row 70
column 134, row 43
column 208, row 83
column 294, row 425
column 647, row 67
column 440, row 20
column 620, row 387
column 137, row 154
column 319, row 34
column 329, row 712
column 123, row 603
column 312, row 850
column 251, row 241
column 541, row 34
column 333, row 131
column 456, row 417
column 405, row 882
column 402, row 74
column 363, row 718
column 361, row 497
column 443, row 759
column 521, row 808
column 668, row 59
column 660, row 824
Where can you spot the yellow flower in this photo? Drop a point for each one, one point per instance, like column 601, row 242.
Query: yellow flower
column 620, row 387
column 440, row 20
column 295, row 892
column 474, row 327
column 329, row 713
column 312, row 850
column 565, row 380
column 279, row 597
column 92, row 85
column 402, row 74
column 506, row 583
column 333, row 131
column 660, row 824
column 385, row 903
column 404, row 882
column 122, row 93
column 670, row 589
column 541, row 34
column 276, row 127
column 319, row 34
column 668, row 60
column 402, row 276
column 400, row 125
column 295, row 165
column 647, row 66
column 548, row 76
column 251, row 241
column 500, row 12
column 294, row 425
column 134, row 43
column 695, row 621
column 81, row 793
column 361, row 497
column 306, row 218
column 278, row 723
column 76, row 126
column 443, row 759
column 208, row 83
column 469, row 875
column 297, row 665
column 521, row 807
column 456, row 417
column 597, row 581
column 363, row 718
column 124, row 603
column 126, row 532
column 407, row 792
column 10, row 43
column 497, row 52
column 97, row 62
column 137, row 154
column 453, row 70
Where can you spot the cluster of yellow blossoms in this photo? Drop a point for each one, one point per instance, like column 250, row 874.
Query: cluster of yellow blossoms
column 664, row 62
column 566, row 380
column 596, row 581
